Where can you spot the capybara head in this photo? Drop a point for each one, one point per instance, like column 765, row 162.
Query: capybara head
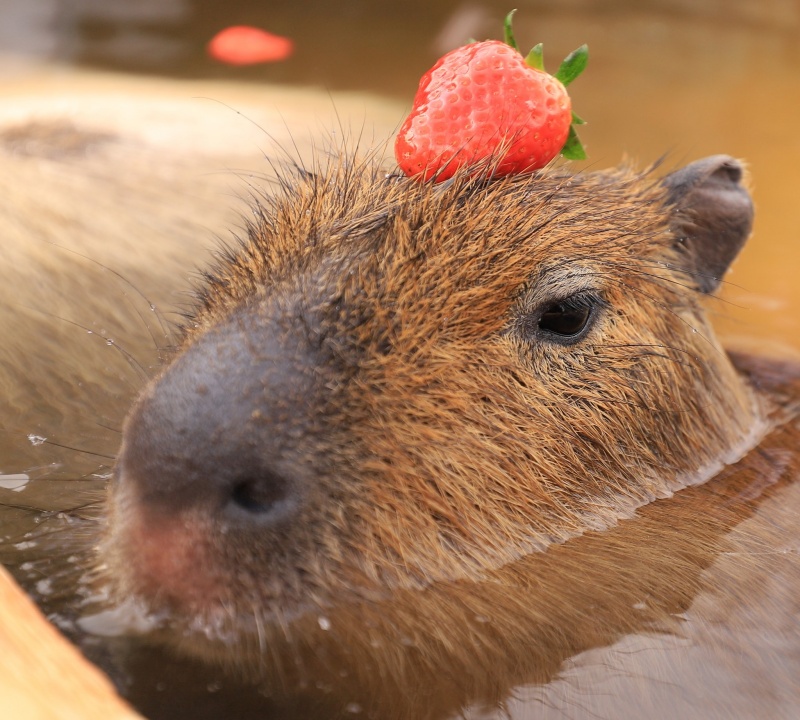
column 389, row 383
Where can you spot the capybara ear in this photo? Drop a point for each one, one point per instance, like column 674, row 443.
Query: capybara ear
column 712, row 216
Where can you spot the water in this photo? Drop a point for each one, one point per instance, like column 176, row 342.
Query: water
column 685, row 79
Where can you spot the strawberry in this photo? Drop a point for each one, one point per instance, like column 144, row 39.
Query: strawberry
column 485, row 104
column 246, row 45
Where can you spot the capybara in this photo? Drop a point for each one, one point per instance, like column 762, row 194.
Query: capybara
column 391, row 384
column 416, row 447
column 389, row 388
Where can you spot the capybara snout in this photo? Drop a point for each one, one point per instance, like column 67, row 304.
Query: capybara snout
column 388, row 383
column 225, row 432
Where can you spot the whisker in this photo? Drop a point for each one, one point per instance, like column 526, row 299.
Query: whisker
column 666, row 307
column 123, row 279
column 82, row 451
column 635, row 269
column 129, row 357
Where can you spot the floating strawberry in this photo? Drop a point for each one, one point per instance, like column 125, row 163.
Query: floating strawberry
column 246, row 45
column 485, row 103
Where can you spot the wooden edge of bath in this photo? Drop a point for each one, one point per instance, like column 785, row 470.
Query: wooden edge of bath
column 42, row 675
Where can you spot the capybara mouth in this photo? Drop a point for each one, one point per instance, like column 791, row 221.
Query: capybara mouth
column 389, row 385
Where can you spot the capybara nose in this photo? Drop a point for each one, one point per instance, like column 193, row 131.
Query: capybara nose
column 219, row 432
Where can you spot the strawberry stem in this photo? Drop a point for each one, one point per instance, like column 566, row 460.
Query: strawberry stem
column 573, row 148
column 535, row 57
column 508, row 33
column 574, row 64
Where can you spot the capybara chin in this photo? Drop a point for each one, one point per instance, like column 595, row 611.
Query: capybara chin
column 388, row 384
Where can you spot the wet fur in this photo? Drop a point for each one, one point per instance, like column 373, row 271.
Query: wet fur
column 444, row 442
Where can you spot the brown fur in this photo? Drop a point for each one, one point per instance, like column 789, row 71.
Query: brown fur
column 444, row 444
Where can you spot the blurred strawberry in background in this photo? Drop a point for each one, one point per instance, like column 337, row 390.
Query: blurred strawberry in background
column 246, row 45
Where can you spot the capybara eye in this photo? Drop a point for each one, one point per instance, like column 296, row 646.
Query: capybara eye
column 566, row 320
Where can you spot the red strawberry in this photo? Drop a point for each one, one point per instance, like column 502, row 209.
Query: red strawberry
column 484, row 102
column 245, row 45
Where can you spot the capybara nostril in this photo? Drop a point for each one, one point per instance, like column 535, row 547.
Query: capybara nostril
column 259, row 496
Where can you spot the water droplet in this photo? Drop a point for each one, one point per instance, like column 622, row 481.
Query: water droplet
column 128, row 617
column 37, row 439
column 324, row 623
column 353, row 708
column 15, row 482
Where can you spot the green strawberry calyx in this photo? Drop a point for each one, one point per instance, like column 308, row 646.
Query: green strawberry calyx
column 572, row 66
